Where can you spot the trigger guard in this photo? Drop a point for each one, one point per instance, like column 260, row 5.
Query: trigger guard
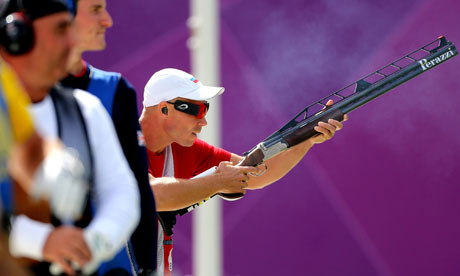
column 231, row 197
column 262, row 173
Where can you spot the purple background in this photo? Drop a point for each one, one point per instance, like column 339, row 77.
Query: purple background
column 382, row 197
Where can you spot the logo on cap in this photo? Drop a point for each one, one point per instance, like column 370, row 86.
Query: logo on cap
column 194, row 80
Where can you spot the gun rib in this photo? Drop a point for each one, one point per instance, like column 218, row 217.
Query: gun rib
column 373, row 85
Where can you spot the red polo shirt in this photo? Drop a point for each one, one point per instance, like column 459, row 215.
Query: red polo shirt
column 188, row 161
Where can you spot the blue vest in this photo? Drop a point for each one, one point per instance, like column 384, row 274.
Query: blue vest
column 104, row 85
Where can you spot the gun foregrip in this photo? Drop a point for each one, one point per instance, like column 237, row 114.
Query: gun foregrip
column 309, row 131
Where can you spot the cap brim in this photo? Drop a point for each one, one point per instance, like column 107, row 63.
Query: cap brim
column 204, row 93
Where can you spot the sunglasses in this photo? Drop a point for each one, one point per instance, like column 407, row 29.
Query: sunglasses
column 197, row 110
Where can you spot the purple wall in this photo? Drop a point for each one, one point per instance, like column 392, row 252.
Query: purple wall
column 381, row 198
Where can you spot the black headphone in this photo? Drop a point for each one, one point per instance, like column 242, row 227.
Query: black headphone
column 16, row 31
column 164, row 110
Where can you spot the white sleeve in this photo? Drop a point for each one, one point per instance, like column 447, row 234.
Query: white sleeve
column 27, row 237
column 117, row 195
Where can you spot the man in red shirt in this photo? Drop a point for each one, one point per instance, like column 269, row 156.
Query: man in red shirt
column 175, row 105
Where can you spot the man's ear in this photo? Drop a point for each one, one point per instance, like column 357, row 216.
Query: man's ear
column 163, row 108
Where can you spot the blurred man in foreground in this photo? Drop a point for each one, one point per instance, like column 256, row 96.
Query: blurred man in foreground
column 80, row 121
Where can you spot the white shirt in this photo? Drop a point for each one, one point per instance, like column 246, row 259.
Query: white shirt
column 168, row 171
column 116, row 192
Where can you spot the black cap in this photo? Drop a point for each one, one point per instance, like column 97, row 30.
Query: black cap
column 36, row 8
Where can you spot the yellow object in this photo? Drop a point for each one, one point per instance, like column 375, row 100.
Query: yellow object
column 16, row 125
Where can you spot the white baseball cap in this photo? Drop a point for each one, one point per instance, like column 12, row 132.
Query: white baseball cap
column 168, row 84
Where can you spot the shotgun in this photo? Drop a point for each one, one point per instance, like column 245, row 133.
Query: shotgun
column 347, row 99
